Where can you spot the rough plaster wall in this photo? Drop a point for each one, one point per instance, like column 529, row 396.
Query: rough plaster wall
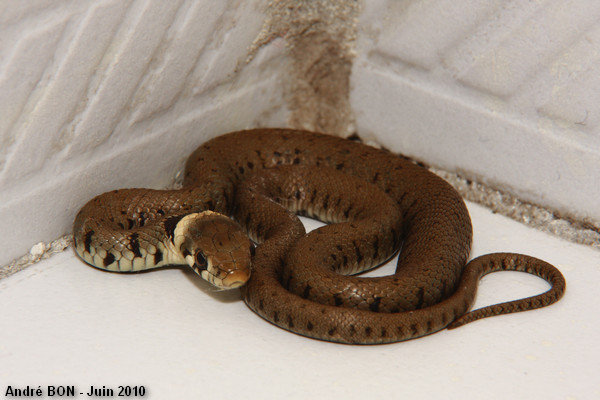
column 320, row 37
column 504, row 92
column 114, row 93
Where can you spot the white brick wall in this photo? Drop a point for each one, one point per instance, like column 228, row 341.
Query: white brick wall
column 105, row 94
column 505, row 92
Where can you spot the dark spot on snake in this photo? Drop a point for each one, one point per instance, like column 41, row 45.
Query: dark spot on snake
column 400, row 330
column 277, row 154
column 306, row 291
column 252, row 249
column 109, row 259
column 121, row 225
column 296, row 161
column 345, row 261
column 241, row 169
column 250, row 165
column 297, row 195
column 296, row 151
column 337, row 298
column 134, row 244
column 333, row 257
column 376, row 247
column 130, row 223
column 429, row 325
column 87, row 240
column 347, row 212
column 374, row 306
column 352, row 329
column 339, row 247
column 326, row 202
column 375, row 177
column 339, row 166
column 170, row 224
column 331, row 332
column 143, row 218
column 415, row 329
column 275, row 317
column 160, row 212
column 359, row 256
column 261, row 305
column 309, row 326
column 354, row 137
column 290, row 321
column 123, row 212
column 368, row 331
column 420, row 298
column 158, row 256
column 313, row 194
column 383, row 332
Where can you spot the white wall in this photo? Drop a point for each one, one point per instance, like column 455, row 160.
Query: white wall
column 504, row 92
column 116, row 93
column 105, row 94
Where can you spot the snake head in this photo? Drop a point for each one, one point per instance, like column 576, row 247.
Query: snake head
column 215, row 247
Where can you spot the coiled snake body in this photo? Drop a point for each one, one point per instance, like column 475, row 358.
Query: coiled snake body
column 376, row 201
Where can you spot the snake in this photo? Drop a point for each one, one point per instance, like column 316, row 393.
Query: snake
column 235, row 222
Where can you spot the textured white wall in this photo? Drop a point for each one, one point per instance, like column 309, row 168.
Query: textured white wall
column 505, row 92
column 96, row 95
column 116, row 93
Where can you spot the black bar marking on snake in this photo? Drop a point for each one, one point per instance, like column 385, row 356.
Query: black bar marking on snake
column 158, row 256
column 290, row 321
column 421, row 298
column 368, row 331
column 415, row 329
column 130, row 223
column 331, row 332
column 359, row 256
column 135, row 244
column 170, row 224
column 337, row 298
column 376, row 247
column 374, row 306
column 275, row 317
column 383, row 332
column 326, row 202
column 87, row 241
column 309, row 326
column 306, row 291
column 109, row 259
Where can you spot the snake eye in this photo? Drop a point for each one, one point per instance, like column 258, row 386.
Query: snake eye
column 201, row 260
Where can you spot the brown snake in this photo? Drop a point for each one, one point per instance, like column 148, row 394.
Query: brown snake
column 375, row 202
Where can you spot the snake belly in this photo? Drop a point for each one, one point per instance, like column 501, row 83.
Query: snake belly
column 374, row 201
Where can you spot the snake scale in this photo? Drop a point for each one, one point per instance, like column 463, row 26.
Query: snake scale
column 374, row 202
